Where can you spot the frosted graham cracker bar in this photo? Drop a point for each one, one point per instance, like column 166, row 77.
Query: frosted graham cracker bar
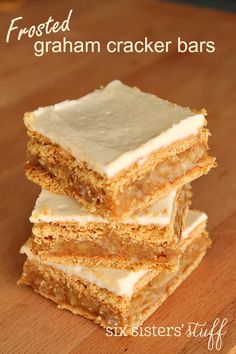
column 116, row 298
column 116, row 150
column 63, row 231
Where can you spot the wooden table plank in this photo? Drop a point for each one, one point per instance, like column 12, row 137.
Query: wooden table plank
column 29, row 323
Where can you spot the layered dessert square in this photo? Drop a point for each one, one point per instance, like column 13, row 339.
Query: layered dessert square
column 116, row 150
column 116, row 298
column 64, row 232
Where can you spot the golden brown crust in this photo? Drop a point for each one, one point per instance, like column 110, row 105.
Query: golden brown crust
column 167, row 260
column 129, row 256
column 68, row 254
column 113, row 198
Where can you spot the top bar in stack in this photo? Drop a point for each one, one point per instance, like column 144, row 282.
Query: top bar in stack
column 116, row 150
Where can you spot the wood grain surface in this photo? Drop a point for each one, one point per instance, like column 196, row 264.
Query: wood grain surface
column 28, row 322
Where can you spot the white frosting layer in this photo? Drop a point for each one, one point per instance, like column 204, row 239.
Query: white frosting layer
column 119, row 281
column 194, row 219
column 115, row 126
column 51, row 207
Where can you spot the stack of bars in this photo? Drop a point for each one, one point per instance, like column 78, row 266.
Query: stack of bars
column 112, row 233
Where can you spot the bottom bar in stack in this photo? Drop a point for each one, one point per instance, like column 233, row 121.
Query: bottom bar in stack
column 116, row 298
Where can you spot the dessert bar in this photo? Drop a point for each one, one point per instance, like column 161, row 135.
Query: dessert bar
column 116, row 298
column 64, row 232
column 116, row 150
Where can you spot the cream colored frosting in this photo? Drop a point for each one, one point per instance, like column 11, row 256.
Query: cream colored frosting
column 115, row 126
column 119, row 281
column 51, row 207
column 194, row 219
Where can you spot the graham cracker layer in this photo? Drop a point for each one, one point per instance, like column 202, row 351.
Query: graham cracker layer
column 106, row 308
column 133, row 189
column 116, row 245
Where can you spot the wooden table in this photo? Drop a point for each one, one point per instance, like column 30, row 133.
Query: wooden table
column 28, row 322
